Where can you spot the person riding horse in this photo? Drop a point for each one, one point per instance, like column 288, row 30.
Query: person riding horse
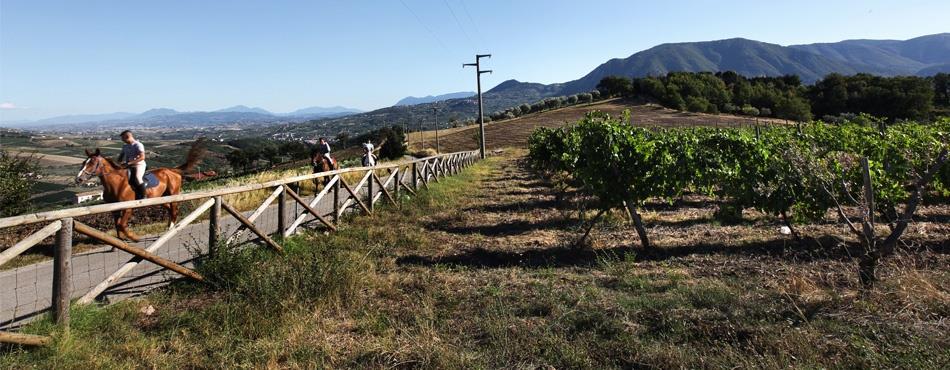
column 321, row 153
column 369, row 159
column 132, row 158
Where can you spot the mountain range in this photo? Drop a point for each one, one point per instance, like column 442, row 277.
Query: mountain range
column 169, row 117
column 923, row 56
column 412, row 100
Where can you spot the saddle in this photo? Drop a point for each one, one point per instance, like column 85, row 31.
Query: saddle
column 149, row 179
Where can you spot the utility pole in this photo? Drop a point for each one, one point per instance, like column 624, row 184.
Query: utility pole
column 481, row 112
column 435, row 117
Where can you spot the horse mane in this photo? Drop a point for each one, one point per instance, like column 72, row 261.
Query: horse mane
column 112, row 162
column 195, row 154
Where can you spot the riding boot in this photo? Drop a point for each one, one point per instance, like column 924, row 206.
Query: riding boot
column 140, row 191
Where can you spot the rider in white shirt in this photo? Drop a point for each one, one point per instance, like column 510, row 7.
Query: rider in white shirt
column 133, row 158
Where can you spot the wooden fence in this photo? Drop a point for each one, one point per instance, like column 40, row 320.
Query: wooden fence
column 387, row 181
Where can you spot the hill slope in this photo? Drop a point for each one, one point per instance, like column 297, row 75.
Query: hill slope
column 412, row 100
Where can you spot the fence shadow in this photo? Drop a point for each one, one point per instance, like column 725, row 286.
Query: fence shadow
column 501, row 229
column 823, row 248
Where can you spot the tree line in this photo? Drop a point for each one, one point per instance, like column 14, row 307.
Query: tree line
column 785, row 97
column 545, row 104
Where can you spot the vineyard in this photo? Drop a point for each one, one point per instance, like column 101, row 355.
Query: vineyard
column 873, row 177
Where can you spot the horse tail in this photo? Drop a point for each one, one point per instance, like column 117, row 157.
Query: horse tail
column 195, row 154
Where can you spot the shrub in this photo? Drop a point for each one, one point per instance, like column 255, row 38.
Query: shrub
column 697, row 104
column 16, row 183
column 750, row 110
column 525, row 109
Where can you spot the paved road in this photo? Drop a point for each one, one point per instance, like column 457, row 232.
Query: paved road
column 26, row 292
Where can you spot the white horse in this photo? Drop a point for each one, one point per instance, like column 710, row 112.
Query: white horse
column 369, row 159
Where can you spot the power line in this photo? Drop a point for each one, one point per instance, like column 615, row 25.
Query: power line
column 425, row 26
column 472, row 21
column 446, row 2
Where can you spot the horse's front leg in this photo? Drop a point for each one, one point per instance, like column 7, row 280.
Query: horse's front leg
column 123, row 225
column 116, row 219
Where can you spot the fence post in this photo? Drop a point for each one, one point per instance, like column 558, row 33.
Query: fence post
column 415, row 177
column 396, row 181
column 369, row 189
column 213, row 228
column 336, row 200
column 281, row 213
column 62, row 272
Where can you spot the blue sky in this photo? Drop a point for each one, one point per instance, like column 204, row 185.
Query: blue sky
column 79, row 57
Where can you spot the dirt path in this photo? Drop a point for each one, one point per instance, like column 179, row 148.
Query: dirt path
column 512, row 212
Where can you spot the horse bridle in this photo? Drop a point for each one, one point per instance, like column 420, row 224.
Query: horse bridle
column 94, row 170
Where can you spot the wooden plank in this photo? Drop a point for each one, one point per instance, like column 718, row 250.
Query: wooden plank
column 250, row 225
column 110, row 207
column 385, row 185
column 313, row 203
column 355, row 197
column 62, row 273
column 383, row 188
column 257, row 213
column 404, row 186
column 370, row 193
column 415, row 178
column 399, row 178
column 24, row 339
column 136, row 251
column 160, row 242
column 336, row 203
column 128, row 266
column 359, row 185
column 281, row 212
column 29, row 242
column 425, row 182
column 310, row 209
column 214, row 228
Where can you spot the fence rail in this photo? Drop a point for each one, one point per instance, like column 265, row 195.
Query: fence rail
column 90, row 275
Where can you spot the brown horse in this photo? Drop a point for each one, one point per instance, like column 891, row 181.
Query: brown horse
column 116, row 188
column 323, row 166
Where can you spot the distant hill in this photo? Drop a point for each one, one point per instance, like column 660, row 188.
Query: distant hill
column 82, row 118
column 155, row 112
column 755, row 58
column 323, row 111
column 244, row 109
column 412, row 100
column 888, row 57
column 166, row 117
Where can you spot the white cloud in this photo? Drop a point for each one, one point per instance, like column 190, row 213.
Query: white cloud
column 7, row 105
